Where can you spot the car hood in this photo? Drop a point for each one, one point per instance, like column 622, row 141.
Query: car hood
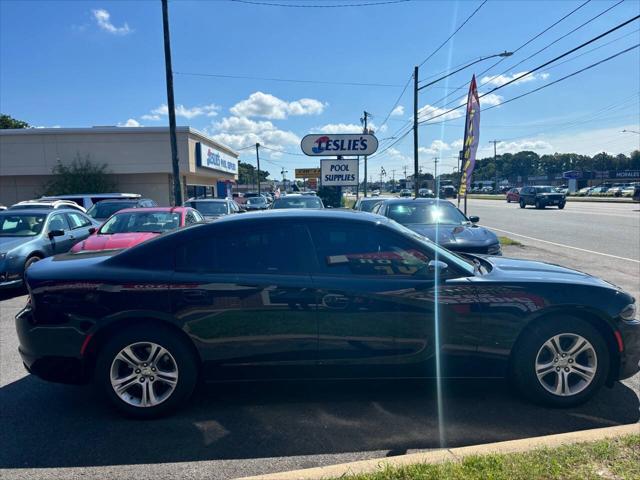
column 113, row 242
column 452, row 236
column 511, row 269
column 9, row 243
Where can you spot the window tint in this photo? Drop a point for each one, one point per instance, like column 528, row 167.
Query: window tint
column 261, row 250
column 189, row 218
column 58, row 222
column 77, row 221
column 353, row 249
column 197, row 216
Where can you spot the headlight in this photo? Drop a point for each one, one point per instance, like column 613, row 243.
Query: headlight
column 629, row 312
column 2, row 255
column 493, row 249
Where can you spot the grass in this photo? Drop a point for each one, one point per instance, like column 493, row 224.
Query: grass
column 504, row 241
column 606, row 459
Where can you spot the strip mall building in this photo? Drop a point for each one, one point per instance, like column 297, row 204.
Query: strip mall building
column 138, row 159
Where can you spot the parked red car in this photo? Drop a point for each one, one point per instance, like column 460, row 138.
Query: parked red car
column 132, row 226
column 513, row 195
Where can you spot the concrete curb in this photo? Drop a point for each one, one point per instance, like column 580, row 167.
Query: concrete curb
column 452, row 454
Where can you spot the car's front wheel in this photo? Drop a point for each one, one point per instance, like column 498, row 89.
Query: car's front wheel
column 561, row 205
column 522, row 204
column 539, row 204
column 146, row 371
column 561, row 362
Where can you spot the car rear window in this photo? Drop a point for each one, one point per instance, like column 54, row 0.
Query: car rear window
column 106, row 209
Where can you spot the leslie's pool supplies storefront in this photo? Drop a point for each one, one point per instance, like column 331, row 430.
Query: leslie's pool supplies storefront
column 138, row 159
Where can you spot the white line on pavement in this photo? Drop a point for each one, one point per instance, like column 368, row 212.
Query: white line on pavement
column 561, row 244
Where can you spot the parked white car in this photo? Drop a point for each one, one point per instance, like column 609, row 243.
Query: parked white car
column 86, row 200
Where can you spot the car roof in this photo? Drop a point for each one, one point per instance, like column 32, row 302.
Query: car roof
column 42, row 211
column 216, row 200
column 304, row 213
column 96, row 195
column 154, row 209
column 414, row 200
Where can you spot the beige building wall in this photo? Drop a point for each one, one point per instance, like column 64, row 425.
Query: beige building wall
column 138, row 158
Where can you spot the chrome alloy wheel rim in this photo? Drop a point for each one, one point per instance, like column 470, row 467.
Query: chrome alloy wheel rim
column 144, row 374
column 566, row 364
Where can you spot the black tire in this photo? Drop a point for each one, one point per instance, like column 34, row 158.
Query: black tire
column 180, row 352
column 522, row 204
column 539, row 205
column 561, row 205
column 523, row 360
column 508, row 200
column 30, row 261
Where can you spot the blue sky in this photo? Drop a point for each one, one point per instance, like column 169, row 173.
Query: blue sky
column 87, row 63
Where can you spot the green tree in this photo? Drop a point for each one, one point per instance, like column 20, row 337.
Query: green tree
column 247, row 174
column 7, row 121
column 81, row 175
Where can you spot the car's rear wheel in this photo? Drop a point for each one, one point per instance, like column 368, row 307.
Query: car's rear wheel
column 539, row 204
column 146, row 371
column 508, row 200
column 522, row 204
column 560, row 362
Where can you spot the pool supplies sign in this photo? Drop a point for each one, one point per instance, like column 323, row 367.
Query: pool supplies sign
column 339, row 144
column 339, row 172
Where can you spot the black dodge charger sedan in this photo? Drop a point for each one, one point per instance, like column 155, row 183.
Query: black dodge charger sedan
column 441, row 222
column 309, row 294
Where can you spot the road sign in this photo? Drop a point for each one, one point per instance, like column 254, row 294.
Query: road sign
column 339, row 144
column 307, row 173
column 339, row 172
column 572, row 174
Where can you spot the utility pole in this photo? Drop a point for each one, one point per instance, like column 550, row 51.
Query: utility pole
column 393, row 179
column 175, row 162
column 258, row 162
column 415, row 131
column 495, row 160
column 365, row 131
column 436, row 182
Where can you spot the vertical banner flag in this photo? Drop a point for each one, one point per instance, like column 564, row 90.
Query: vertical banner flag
column 471, row 137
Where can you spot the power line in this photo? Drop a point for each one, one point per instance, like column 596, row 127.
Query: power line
column 452, row 35
column 588, row 67
column 396, row 103
column 513, row 80
column 343, row 5
column 288, row 80
column 535, row 37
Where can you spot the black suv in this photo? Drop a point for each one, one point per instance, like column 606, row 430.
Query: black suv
column 542, row 196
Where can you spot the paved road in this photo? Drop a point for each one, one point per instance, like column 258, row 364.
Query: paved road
column 56, row 431
column 602, row 228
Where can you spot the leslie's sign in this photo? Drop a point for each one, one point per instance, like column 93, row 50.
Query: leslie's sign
column 339, row 144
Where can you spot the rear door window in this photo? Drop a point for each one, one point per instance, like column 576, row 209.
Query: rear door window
column 77, row 221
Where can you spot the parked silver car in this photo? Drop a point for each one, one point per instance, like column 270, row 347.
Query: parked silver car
column 29, row 235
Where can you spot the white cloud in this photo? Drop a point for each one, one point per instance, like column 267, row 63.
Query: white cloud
column 497, row 80
column 210, row 110
column 435, row 148
column 429, row 111
column 132, row 122
column 261, row 104
column 333, row 128
column 398, row 111
column 239, row 132
column 457, row 144
column 103, row 19
column 490, row 100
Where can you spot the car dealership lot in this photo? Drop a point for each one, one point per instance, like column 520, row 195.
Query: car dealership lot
column 234, row 430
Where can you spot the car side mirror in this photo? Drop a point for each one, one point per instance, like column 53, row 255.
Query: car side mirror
column 56, row 233
column 474, row 219
column 437, row 266
column 92, row 230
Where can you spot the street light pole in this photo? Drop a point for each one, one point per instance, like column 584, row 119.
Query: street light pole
column 175, row 161
column 258, row 163
column 415, row 131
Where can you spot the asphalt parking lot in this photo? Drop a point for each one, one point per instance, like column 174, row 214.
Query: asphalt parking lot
column 228, row 431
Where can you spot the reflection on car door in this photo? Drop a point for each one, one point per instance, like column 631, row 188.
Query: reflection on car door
column 246, row 298
column 376, row 312
column 61, row 244
column 79, row 225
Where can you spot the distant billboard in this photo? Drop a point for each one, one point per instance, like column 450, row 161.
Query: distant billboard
column 307, row 173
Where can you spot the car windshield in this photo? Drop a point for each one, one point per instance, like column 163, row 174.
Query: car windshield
column 102, row 210
column 426, row 213
column 545, row 190
column 209, row 207
column 256, row 201
column 367, row 205
column 298, row 202
column 128, row 222
column 21, row 225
